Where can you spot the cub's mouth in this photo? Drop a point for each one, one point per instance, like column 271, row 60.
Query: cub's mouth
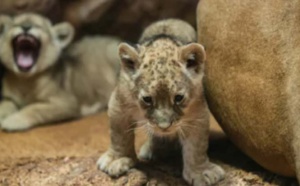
column 26, row 51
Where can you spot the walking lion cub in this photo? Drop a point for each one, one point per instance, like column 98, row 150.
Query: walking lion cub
column 160, row 89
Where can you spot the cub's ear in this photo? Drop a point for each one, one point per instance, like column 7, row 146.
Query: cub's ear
column 193, row 56
column 64, row 33
column 4, row 22
column 129, row 57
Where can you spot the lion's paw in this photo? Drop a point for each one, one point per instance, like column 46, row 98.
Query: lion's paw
column 16, row 122
column 114, row 165
column 208, row 175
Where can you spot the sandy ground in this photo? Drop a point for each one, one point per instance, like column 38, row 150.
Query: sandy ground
column 66, row 154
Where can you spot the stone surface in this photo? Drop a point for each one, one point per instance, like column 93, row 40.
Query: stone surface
column 66, row 154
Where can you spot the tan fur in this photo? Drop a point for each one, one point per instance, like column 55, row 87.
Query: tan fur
column 252, row 77
column 56, row 87
column 164, row 65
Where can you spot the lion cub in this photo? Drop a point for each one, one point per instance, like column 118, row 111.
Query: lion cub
column 43, row 83
column 160, row 88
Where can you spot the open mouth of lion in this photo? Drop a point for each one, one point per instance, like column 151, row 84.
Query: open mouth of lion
column 26, row 51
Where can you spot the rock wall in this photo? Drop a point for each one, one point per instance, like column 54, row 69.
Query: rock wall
column 123, row 18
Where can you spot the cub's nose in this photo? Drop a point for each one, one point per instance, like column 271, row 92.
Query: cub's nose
column 26, row 27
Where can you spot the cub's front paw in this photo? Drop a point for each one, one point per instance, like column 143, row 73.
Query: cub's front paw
column 207, row 175
column 114, row 165
column 16, row 122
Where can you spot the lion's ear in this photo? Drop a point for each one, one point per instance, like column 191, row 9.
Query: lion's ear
column 64, row 33
column 193, row 56
column 129, row 57
column 4, row 22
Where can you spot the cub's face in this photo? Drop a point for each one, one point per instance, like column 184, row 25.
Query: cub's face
column 167, row 82
column 30, row 44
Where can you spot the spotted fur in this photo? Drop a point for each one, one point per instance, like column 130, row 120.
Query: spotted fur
column 160, row 89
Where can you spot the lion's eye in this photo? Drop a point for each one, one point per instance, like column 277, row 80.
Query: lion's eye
column 147, row 100
column 178, row 99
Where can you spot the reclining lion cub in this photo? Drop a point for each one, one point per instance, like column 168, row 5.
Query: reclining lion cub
column 41, row 85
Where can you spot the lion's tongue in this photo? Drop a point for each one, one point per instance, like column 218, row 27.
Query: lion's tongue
column 25, row 60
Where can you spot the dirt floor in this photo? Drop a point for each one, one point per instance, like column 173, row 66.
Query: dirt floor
column 66, row 154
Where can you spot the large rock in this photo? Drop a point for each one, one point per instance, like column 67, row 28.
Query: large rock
column 123, row 18
column 50, row 8
column 253, row 76
column 128, row 18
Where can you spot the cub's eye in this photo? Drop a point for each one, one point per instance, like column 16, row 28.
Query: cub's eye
column 178, row 99
column 147, row 100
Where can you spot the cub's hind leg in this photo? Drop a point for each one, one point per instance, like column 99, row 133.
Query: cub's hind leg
column 158, row 148
column 146, row 151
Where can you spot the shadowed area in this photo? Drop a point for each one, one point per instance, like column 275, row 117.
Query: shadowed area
column 66, row 154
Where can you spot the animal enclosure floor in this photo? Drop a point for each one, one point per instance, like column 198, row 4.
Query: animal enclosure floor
column 66, row 154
